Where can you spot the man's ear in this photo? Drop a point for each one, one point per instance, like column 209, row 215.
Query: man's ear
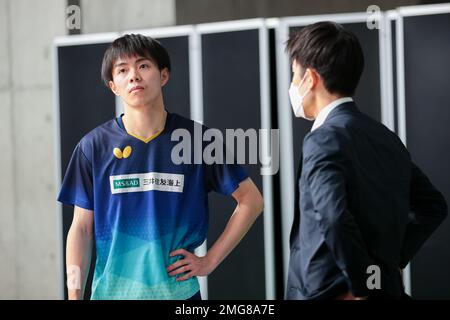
column 112, row 86
column 165, row 75
column 314, row 78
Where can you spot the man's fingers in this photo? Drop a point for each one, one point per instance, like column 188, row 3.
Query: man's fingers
column 179, row 270
column 186, row 276
column 177, row 264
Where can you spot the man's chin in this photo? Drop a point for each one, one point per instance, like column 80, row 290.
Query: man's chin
column 139, row 103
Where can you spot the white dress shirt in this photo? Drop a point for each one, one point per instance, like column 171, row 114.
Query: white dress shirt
column 323, row 114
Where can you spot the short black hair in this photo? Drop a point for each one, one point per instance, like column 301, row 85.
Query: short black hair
column 130, row 45
column 335, row 53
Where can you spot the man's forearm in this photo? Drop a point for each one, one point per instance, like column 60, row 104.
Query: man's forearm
column 78, row 259
column 240, row 222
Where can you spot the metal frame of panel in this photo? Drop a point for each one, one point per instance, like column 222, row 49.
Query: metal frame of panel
column 241, row 25
column 389, row 17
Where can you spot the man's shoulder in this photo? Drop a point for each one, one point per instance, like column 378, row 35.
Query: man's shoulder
column 327, row 134
column 357, row 126
column 347, row 130
column 98, row 135
column 103, row 129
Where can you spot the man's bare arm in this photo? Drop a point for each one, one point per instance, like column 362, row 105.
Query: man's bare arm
column 79, row 251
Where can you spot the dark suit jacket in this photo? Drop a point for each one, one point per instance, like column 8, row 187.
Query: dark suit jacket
column 361, row 202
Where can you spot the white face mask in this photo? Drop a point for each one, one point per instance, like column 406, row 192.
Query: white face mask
column 297, row 100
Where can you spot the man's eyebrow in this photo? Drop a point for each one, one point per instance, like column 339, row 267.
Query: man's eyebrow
column 141, row 59
column 119, row 64
column 123, row 63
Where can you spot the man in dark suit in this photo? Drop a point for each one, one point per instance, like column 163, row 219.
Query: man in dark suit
column 363, row 208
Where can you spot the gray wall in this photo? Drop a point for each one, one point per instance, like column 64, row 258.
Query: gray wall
column 28, row 239
column 119, row 15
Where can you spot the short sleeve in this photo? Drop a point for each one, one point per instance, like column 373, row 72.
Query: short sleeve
column 77, row 186
column 221, row 174
column 224, row 178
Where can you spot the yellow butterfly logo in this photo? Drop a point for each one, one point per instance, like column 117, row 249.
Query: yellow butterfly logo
column 122, row 154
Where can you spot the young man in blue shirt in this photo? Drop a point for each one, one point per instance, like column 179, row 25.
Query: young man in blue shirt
column 145, row 213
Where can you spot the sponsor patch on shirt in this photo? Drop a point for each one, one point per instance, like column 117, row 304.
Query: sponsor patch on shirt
column 138, row 182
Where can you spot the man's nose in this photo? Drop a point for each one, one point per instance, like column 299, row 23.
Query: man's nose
column 134, row 76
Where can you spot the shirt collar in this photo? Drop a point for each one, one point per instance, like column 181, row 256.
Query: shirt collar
column 323, row 114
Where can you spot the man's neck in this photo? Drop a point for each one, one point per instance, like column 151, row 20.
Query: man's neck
column 144, row 121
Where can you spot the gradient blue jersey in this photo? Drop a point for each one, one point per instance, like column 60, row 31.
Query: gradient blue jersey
column 145, row 206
